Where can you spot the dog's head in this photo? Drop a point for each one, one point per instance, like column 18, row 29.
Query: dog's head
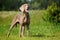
column 24, row 8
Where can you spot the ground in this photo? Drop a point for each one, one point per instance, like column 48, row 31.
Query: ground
column 40, row 28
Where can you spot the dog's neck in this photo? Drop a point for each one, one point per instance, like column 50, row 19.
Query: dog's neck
column 27, row 15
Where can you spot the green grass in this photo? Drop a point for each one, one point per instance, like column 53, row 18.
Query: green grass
column 40, row 29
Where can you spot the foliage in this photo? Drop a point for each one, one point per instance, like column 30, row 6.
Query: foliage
column 36, row 4
column 54, row 12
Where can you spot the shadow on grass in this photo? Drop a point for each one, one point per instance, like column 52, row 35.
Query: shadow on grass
column 37, row 36
column 42, row 36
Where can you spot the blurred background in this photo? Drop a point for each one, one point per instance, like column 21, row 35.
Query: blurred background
column 35, row 4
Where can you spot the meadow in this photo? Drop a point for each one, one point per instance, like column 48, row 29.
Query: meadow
column 40, row 27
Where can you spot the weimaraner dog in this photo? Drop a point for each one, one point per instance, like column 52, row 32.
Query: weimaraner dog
column 23, row 19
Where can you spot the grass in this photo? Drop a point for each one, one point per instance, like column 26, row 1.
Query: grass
column 40, row 29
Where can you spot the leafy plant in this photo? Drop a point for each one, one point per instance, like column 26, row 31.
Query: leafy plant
column 54, row 13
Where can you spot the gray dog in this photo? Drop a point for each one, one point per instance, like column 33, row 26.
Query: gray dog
column 22, row 19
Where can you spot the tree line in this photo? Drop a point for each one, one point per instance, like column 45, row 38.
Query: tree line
column 35, row 4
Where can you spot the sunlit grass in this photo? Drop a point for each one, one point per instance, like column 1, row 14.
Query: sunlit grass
column 40, row 29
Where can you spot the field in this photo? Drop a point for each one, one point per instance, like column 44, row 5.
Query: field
column 40, row 29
